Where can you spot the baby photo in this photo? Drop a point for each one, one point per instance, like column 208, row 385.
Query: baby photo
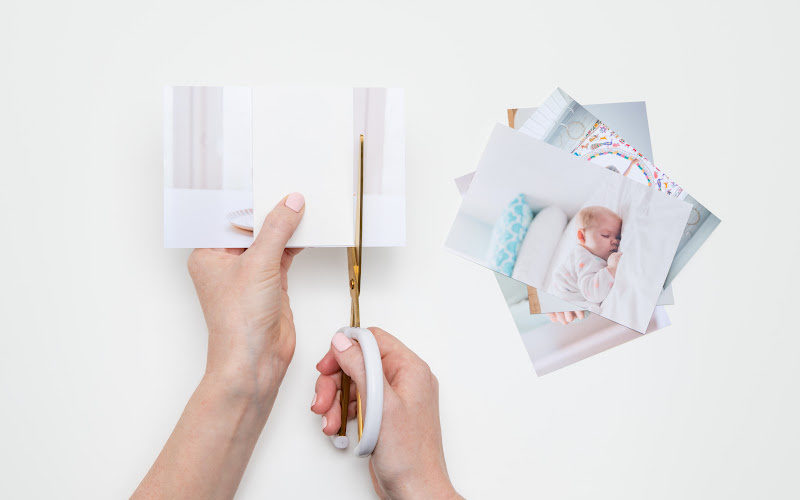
column 629, row 118
column 564, row 123
column 589, row 236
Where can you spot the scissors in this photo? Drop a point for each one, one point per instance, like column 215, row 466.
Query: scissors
column 369, row 425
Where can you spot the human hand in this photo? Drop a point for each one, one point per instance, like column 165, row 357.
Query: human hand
column 613, row 262
column 408, row 461
column 243, row 293
column 566, row 317
column 250, row 343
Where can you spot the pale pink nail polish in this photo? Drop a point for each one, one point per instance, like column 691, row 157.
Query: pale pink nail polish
column 324, row 422
column 295, row 201
column 341, row 342
column 314, row 401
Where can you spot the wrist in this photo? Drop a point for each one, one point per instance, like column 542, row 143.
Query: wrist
column 426, row 485
column 241, row 383
column 443, row 490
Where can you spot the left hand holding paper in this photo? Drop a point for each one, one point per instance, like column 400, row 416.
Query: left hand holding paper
column 243, row 293
column 251, row 340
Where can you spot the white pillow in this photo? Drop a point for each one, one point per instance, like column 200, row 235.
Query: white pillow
column 567, row 241
column 536, row 251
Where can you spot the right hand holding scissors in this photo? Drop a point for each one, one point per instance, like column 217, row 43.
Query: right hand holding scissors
column 408, row 461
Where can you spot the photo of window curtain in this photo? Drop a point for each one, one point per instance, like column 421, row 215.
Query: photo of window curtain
column 197, row 128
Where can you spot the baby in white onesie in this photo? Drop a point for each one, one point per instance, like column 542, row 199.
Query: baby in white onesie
column 587, row 274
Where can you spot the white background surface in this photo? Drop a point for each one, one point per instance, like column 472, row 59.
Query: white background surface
column 103, row 339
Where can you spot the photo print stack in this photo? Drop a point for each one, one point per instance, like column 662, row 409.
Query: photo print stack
column 584, row 233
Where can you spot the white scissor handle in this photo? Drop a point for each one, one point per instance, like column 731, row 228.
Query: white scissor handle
column 373, row 391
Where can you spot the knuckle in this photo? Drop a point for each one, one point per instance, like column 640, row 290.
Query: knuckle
column 434, row 381
column 377, row 331
column 425, row 369
column 194, row 263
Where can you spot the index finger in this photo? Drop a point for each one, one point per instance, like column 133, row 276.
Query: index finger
column 391, row 349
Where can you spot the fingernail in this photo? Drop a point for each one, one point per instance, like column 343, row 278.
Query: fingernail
column 314, row 401
column 341, row 342
column 324, row 422
column 295, row 201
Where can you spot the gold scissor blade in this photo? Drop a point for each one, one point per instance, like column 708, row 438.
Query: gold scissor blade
column 354, row 272
column 355, row 287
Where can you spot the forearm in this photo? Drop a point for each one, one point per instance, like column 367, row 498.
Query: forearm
column 210, row 446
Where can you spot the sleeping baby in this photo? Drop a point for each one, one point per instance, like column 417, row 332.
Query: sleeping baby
column 586, row 275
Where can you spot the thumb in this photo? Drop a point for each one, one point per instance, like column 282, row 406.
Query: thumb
column 279, row 225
